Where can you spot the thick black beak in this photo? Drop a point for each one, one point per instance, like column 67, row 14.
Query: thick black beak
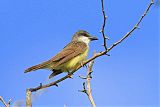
column 93, row 38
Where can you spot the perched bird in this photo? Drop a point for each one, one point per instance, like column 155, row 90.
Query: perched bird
column 70, row 57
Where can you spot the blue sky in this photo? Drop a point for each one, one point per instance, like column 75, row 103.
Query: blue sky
column 33, row 31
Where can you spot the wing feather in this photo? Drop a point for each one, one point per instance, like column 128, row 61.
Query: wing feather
column 70, row 51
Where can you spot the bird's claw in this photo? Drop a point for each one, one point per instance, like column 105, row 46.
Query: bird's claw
column 83, row 65
column 70, row 75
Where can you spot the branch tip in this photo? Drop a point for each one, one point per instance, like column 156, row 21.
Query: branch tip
column 82, row 77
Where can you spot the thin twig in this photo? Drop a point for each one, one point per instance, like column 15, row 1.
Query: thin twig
column 5, row 104
column 84, row 89
column 98, row 54
column 103, row 26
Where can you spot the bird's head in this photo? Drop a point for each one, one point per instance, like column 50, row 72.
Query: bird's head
column 83, row 36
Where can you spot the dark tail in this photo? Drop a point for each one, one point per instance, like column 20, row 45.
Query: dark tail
column 36, row 67
column 55, row 72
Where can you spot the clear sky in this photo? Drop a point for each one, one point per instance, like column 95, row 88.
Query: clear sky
column 33, row 31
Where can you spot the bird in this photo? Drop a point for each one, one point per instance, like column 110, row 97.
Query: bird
column 70, row 57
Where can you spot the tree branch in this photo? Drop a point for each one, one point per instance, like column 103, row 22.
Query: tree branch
column 88, row 90
column 28, row 98
column 97, row 54
column 103, row 26
column 5, row 104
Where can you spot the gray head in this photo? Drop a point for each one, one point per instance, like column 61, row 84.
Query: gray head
column 83, row 36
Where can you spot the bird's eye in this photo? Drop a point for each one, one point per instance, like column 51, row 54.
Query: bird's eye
column 84, row 34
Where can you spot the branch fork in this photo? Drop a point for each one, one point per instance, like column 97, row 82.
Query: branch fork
column 4, row 103
column 87, row 85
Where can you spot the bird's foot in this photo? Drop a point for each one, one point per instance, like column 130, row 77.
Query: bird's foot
column 83, row 65
column 70, row 75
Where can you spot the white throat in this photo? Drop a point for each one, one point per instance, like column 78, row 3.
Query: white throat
column 84, row 39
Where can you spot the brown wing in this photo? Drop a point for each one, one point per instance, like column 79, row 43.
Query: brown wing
column 70, row 51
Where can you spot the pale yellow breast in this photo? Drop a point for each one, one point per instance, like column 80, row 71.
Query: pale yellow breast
column 75, row 62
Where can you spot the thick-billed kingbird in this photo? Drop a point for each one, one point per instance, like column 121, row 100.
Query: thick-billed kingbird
column 70, row 57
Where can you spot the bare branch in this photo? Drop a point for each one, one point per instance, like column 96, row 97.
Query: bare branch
column 98, row 54
column 89, row 90
column 103, row 26
column 28, row 98
column 87, row 84
column 5, row 104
